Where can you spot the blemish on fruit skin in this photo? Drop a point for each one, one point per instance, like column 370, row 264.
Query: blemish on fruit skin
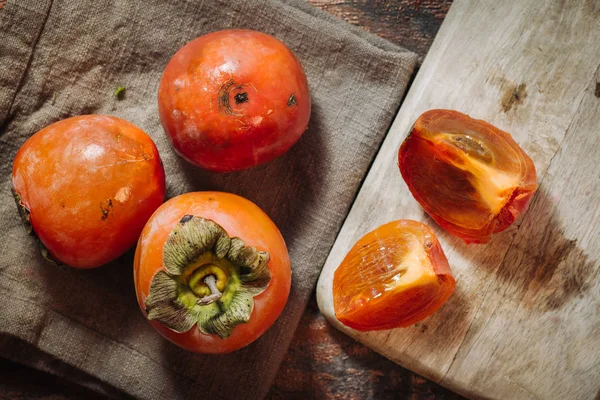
column 178, row 83
column 257, row 120
column 292, row 101
column 186, row 218
column 123, row 194
column 105, row 207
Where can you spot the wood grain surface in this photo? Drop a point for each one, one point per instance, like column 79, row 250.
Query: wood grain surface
column 321, row 363
column 324, row 363
column 408, row 23
column 524, row 322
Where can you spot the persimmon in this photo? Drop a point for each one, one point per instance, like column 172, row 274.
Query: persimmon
column 394, row 276
column 85, row 186
column 211, row 271
column 233, row 99
column 472, row 178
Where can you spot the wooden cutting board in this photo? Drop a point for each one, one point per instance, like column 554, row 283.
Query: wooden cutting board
column 524, row 322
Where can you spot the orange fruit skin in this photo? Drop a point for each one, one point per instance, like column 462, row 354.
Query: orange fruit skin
column 240, row 218
column 366, row 294
column 225, row 100
column 452, row 185
column 90, row 184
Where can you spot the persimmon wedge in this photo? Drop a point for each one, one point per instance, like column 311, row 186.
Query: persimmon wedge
column 472, row 178
column 394, row 276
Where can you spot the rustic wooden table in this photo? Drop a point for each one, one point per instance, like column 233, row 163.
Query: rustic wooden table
column 321, row 362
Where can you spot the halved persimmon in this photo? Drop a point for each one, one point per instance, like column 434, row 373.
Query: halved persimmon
column 471, row 177
column 393, row 277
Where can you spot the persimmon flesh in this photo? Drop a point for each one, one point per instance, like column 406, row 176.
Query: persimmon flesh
column 472, row 178
column 394, row 276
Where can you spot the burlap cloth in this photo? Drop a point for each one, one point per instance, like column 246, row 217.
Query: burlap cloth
column 64, row 58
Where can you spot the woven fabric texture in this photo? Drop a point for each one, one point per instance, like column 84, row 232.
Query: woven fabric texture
column 61, row 58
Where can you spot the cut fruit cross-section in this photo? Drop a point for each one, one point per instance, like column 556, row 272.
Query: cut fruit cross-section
column 393, row 277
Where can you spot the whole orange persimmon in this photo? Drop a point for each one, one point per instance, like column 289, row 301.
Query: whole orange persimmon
column 211, row 271
column 86, row 186
column 233, row 99
column 472, row 178
column 394, row 276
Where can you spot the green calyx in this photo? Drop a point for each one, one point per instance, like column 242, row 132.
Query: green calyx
column 23, row 212
column 25, row 215
column 210, row 279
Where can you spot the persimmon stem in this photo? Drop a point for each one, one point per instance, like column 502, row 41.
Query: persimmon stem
column 214, row 295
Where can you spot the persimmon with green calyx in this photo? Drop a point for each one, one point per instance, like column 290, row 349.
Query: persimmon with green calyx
column 472, row 178
column 211, row 271
column 393, row 277
column 233, row 99
column 85, row 186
